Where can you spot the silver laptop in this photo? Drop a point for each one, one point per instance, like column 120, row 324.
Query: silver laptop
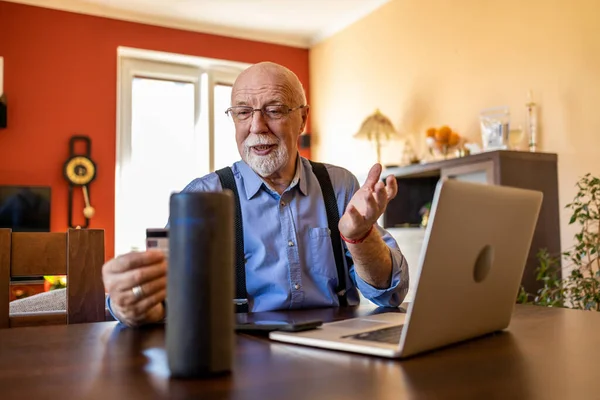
column 470, row 268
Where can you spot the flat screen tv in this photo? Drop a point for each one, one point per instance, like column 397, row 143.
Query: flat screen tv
column 25, row 208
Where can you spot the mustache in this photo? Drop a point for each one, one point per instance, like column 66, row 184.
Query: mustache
column 258, row 140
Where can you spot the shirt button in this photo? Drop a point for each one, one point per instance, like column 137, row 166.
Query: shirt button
column 291, row 244
column 296, row 286
column 282, row 204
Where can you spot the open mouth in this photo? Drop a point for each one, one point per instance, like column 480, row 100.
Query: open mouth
column 263, row 149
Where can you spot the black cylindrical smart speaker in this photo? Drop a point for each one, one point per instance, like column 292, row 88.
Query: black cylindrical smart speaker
column 200, row 287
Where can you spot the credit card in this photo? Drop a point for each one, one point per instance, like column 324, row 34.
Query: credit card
column 157, row 238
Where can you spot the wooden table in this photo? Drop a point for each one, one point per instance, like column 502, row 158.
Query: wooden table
column 546, row 353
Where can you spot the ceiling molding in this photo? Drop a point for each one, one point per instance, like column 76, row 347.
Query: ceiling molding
column 105, row 11
column 345, row 21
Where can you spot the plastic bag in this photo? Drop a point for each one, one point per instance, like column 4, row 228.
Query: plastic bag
column 495, row 125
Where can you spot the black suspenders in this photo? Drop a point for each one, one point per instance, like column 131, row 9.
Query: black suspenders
column 333, row 218
column 228, row 182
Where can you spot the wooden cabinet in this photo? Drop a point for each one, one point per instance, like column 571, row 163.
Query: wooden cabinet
column 537, row 171
column 478, row 172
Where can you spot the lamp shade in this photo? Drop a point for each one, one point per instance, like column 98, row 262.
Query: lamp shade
column 377, row 127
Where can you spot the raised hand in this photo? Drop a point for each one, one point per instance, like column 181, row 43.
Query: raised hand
column 367, row 204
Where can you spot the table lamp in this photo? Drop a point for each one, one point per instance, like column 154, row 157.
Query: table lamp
column 377, row 127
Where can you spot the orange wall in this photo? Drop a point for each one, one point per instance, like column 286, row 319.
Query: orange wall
column 434, row 62
column 60, row 72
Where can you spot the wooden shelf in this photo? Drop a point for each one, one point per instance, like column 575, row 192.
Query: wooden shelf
column 536, row 171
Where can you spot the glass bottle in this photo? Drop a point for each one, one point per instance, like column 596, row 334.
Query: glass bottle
column 531, row 122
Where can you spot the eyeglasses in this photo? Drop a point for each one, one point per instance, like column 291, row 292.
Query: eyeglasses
column 271, row 112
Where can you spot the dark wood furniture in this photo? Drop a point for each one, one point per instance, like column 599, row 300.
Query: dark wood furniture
column 537, row 171
column 77, row 253
column 546, row 353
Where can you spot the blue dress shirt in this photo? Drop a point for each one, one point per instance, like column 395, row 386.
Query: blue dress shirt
column 287, row 247
column 288, row 252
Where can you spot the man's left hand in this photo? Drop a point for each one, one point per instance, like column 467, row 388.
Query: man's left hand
column 367, row 204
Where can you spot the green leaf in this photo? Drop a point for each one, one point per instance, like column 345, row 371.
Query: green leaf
column 580, row 288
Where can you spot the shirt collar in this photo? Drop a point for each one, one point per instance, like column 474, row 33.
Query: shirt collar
column 253, row 181
column 301, row 175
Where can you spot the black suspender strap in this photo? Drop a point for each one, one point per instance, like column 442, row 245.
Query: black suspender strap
column 333, row 218
column 228, row 182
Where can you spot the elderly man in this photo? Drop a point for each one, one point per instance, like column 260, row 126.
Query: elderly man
column 288, row 251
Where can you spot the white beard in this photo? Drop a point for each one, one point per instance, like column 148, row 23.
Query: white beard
column 265, row 165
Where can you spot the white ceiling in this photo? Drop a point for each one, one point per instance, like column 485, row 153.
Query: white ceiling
column 299, row 23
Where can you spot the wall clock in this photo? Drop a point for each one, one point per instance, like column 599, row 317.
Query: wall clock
column 79, row 170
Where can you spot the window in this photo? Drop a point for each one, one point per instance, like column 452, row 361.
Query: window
column 171, row 129
column 226, row 151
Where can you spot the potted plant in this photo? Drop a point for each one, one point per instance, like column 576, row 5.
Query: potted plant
column 580, row 287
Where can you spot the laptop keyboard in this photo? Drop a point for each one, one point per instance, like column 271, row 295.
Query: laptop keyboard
column 385, row 335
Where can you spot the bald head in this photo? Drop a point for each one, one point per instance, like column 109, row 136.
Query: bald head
column 288, row 82
column 268, row 140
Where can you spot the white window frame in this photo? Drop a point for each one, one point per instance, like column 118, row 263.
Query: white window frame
column 215, row 78
column 133, row 63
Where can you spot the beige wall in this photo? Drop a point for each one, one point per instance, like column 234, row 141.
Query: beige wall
column 432, row 62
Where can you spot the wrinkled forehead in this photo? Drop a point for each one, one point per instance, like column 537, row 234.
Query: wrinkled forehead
column 261, row 87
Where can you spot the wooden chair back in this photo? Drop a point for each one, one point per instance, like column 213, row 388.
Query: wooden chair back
column 77, row 253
